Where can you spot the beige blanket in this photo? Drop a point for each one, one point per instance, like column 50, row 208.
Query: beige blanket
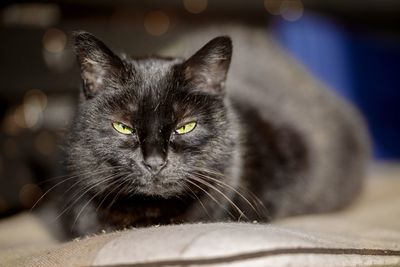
column 366, row 234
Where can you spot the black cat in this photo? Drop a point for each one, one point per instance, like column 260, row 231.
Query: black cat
column 162, row 140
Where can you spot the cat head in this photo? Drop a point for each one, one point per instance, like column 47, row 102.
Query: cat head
column 151, row 125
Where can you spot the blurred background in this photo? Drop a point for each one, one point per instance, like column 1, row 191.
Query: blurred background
column 353, row 46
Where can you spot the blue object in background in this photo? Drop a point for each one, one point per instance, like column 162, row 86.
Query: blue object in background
column 360, row 65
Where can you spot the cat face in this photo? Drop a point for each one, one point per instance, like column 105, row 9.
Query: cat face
column 151, row 124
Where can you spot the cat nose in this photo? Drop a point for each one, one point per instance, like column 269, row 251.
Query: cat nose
column 154, row 164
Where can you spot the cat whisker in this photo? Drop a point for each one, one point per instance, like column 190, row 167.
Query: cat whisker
column 77, row 174
column 123, row 187
column 72, row 186
column 212, row 197
column 108, row 194
column 256, row 200
column 74, row 195
column 88, row 202
column 86, row 190
column 198, row 199
column 223, row 184
column 202, row 181
column 68, row 178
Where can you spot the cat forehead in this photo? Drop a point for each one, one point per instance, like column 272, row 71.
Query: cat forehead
column 161, row 102
column 154, row 68
column 151, row 75
column 154, row 109
column 155, row 87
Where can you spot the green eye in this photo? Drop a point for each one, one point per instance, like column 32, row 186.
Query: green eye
column 122, row 128
column 187, row 128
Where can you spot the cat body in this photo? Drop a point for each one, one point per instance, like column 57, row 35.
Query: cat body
column 163, row 140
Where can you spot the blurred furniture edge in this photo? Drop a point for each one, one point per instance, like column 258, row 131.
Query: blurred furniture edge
column 359, row 62
column 366, row 234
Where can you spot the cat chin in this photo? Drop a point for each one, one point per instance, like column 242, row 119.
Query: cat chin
column 159, row 190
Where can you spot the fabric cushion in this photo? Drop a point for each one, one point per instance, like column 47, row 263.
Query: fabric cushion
column 367, row 234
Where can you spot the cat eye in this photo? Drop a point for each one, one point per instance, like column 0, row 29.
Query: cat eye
column 122, row 128
column 187, row 128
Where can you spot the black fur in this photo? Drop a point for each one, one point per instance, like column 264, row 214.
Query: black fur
column 232, row 166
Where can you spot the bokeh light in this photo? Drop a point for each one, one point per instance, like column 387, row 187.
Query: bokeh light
column 195, row 6
column 32, row 14
column 273, row 6
column 34, row 103
column 54, row 40
column 18, row 116
column 292, row 10
column 55, row 53
column 28, row 114
column 9, row 126
column 156, row 23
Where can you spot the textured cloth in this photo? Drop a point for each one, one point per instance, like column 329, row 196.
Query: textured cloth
column 366, row 234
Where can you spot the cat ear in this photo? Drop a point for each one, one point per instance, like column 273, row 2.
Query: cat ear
column 98, row 64
column 207, row 68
